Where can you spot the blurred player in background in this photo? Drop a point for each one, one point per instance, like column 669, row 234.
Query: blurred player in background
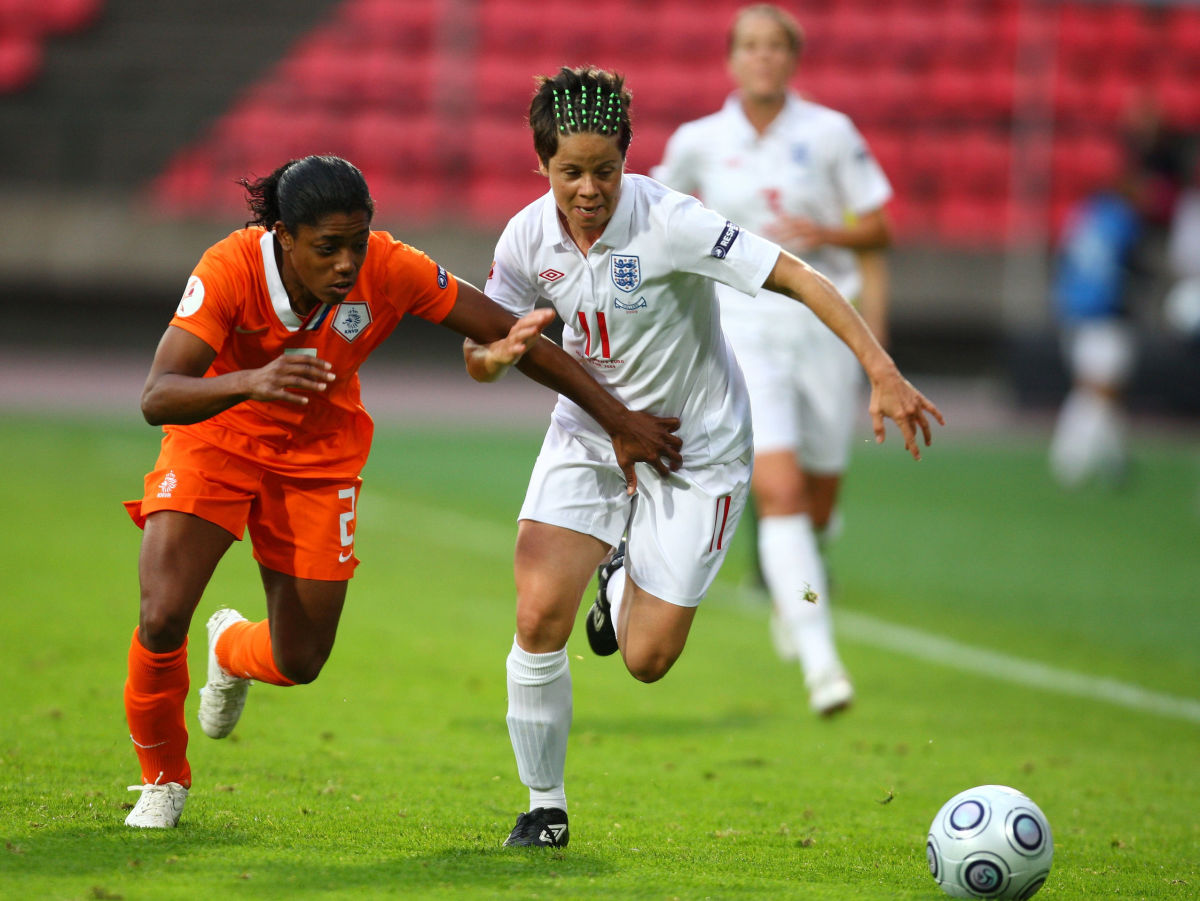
column 256, row 381
column 630, row 267
column 1096, row 258
column 800, row 174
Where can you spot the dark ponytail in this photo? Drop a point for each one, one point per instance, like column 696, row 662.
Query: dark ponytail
column 301, row 192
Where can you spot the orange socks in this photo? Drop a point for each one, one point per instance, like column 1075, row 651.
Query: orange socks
column 155, row 690
column 244, row 649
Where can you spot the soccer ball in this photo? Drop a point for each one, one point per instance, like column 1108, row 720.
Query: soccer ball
column 990, row 842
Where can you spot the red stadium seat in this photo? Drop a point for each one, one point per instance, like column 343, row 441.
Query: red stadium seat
column 649, row 142
column 68, row 16
column 679, row 34
column 499, row 147
column 395, row 24
column 20, row 61
column 504, row 84
column 397, row 79
column 493, row 199
column 323, row 71
column 1181, row 30
column 1085, row 161
column 404, row 147
column 407, row 201
column 980, row 164
column 967, row 221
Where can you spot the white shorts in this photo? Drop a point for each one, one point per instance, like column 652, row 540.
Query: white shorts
column 1100, row 351
column 678, row 528
column 805, row 385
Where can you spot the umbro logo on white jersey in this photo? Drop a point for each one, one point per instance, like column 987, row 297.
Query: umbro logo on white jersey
column 551, row 275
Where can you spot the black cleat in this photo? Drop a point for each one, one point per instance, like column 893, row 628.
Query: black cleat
column 542, row 827
column 601, row 630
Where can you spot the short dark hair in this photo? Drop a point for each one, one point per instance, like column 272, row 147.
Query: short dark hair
column 303, row 191
column 584, row 99
column 784, row 19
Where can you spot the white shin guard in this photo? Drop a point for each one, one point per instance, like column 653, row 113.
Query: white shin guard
column 539, row 715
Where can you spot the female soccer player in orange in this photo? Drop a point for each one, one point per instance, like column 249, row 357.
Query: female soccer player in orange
column 256, row 383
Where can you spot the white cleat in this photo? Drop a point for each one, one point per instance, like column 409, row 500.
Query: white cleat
column 223, row 695
column 830, row 693
column 159, row 806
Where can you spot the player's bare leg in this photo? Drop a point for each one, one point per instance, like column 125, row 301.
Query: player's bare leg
column 649, row 631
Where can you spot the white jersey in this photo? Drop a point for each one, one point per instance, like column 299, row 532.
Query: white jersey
column 640, row 308
column 811, row 162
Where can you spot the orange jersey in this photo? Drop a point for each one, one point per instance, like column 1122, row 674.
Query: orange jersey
column 236, row 303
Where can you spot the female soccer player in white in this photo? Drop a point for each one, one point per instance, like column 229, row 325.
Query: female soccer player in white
column 630, row 266
column 801, row 174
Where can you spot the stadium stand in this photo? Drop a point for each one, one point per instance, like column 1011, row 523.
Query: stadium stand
column 934, row 85
column 24, row 27
column 429, row 97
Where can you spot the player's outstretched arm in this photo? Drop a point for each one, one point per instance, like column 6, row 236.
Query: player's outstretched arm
column 487, row 362
column 637, row 437
column 177, row 393
column 892, row 396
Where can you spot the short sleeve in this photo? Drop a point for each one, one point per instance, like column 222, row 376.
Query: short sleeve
column 415, row 283
column 859, row 177
column 508, row 282
column 678, row 167
column 208, row 307
column 705, row 243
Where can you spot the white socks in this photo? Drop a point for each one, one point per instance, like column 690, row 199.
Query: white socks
column 616, row 596
column 539, row 719
column 792, row 566
column 1089, row 439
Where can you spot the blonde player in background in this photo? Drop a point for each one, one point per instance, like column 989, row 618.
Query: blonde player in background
column 800, row 174
column 630, row 266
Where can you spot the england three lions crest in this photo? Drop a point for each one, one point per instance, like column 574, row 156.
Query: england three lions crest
column 626, row 272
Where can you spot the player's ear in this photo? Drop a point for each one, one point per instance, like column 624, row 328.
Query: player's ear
column 542, row 168
column 284, row 236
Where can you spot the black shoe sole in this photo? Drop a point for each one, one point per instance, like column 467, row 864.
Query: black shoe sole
column 602, row 641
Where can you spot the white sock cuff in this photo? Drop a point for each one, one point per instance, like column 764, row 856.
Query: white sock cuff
column 782, row 528
column 525, row 668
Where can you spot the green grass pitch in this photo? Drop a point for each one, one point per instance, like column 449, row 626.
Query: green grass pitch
column 392, row 776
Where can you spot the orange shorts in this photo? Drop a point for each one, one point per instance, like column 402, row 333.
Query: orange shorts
column 299, row 526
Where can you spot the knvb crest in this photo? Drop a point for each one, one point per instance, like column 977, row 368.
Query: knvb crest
column 351, row 319
column 626, row 272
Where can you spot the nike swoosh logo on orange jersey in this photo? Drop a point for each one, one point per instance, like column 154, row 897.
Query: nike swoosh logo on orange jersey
column 342, row 558
column 249, row 331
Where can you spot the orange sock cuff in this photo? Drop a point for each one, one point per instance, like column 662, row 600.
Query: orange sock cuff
column 244, row 649
column 155, row 691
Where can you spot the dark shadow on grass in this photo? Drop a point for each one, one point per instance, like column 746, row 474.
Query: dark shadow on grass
column 126, row 864
column 83, row 848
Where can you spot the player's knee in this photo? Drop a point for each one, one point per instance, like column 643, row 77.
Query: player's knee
column 538, row 627
column 162, row 628
column 650, row 667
